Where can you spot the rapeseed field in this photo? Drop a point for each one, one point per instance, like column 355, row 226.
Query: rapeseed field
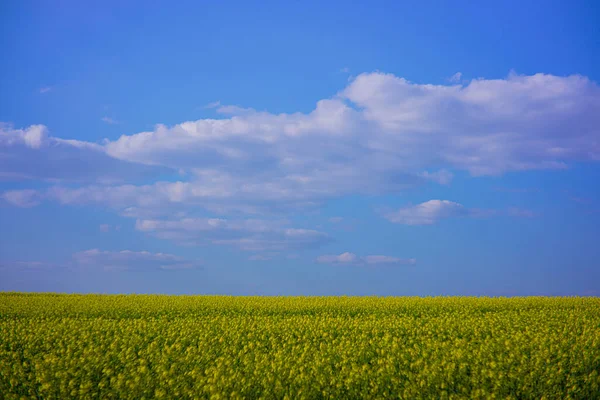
column 191, row 347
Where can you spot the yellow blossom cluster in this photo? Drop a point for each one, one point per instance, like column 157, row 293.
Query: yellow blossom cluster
column 191, row 347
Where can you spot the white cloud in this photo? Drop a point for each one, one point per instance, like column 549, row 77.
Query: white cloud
column 110, row 121
column 427, row 213
column 389, row 125
column 352, row 259
column 127, row 259
column 379, row 135
column 45, row 89
column 35, row 136
column 226, row 109
column 32, row 154
column 104, row 228
column 344, row 258
column 21, row 198
column 245, row 234
column 214, row 104
column 456, row 77
column 487, row 127
column 234, row 110
column 443, row 177
column 433, row 211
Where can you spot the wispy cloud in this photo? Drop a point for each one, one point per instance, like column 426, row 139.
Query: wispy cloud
column 21, row 198
column 110, row 260
column 27, row 265
column 127, row 259
column 234, row 110
column 581, row 200
column 516, row 190
column 352, row 259
column 214, row 104
column 427, row 213
column 107, row 228
column 110, row 121
column 433, row 211
column 245, row 234
column 36, row 155
column 228, row 109
column 578, row 199
column 456, row 77
column 443, row 177
column 45, row 89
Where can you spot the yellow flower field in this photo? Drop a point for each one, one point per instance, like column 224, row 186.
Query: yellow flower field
column 186, row 347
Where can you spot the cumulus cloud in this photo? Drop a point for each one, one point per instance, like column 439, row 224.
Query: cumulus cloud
column 32, row 154
column 487, row 127
column 33, row 137
column 379, row 135
column 352, row 259
column 127, row 259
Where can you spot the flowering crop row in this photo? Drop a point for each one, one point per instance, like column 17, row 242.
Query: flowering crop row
column 187, row 347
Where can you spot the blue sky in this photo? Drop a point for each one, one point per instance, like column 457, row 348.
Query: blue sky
column 300, row 148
